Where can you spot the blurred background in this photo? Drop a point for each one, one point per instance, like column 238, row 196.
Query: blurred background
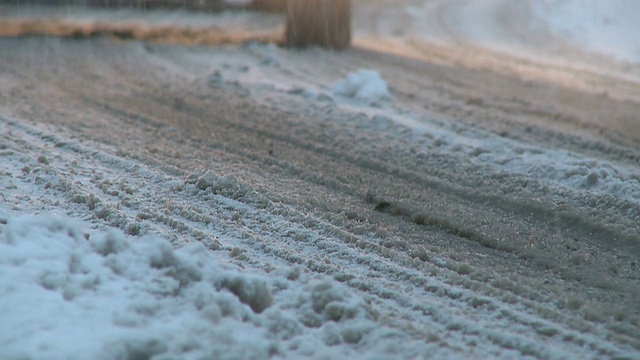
column 593, row 35
column 202, row 5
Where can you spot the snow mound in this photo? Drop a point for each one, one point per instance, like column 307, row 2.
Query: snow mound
column 608, row 27
column 366, row 85
column 115, row 297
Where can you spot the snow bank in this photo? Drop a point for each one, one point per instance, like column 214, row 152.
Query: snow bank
column 366, row 85
column 114, row 297
column 610, row 27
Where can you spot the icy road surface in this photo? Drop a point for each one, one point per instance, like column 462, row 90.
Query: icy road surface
column 444, row 199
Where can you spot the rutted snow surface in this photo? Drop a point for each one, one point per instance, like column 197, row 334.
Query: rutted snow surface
column 231, row 203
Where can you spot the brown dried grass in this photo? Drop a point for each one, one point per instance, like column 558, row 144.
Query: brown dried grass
column 165, row 34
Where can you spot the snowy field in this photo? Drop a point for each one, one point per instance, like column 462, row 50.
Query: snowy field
column 607, row 28
column 249, row 202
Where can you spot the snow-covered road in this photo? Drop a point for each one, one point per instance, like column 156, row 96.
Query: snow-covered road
column 486, row 206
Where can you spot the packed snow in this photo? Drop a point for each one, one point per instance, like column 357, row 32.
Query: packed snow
column 101, row 284
column 556, row 168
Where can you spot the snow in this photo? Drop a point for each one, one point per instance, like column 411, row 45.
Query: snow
column 364, row 84
column 605, row 27
column 556, row 168
column 608, row 27
column 596, row 36
column 112, row 296
column 76, row 290
column 74, row 286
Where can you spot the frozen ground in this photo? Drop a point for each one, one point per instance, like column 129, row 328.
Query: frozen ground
column 440, row 198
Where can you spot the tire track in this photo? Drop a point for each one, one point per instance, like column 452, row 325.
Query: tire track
column 330, row 228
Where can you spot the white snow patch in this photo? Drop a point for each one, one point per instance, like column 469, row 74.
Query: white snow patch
column 609, row 27
column 557, row 168
column 364, row 84
column 118, row 297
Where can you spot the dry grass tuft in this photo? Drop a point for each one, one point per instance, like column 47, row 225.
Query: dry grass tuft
column 163, row 34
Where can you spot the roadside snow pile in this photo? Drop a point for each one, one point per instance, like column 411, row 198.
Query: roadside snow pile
column 113, row 297
column 366, row 85
column 609, row 27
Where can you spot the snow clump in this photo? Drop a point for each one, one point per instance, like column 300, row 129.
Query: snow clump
column 116, row 297
column 366, row 85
